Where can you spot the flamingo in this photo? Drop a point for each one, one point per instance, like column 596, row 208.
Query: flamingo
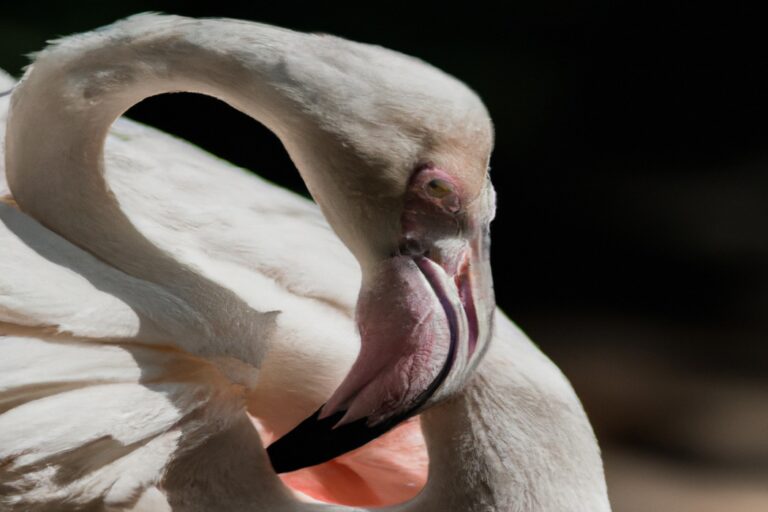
column 165, row 315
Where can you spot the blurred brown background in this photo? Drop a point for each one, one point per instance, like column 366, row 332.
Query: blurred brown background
column 632, row 171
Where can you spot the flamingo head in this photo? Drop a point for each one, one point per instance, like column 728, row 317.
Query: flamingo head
column 397, row 158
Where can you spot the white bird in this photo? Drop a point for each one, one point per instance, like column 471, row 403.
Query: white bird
column 154, row 299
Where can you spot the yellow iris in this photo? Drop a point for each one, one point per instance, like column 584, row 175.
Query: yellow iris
column 439, row 188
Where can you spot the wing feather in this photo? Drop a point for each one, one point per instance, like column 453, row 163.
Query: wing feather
column 85, row 423
column 95, row 400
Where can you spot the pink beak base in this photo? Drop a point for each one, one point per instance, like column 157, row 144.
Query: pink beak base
column 405, row 338
column 409, row 331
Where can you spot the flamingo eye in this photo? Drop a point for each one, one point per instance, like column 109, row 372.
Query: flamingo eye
column 438, row 188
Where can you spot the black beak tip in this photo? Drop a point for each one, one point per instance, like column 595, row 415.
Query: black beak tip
column 315, row 441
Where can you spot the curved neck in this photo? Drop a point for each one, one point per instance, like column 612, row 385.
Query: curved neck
column 516, row 438
column 60, row 116
column 76, row 90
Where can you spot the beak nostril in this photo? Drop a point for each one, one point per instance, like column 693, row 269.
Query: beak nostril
column 411, row 247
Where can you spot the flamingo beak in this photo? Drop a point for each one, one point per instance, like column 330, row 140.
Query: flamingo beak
column 425, row 323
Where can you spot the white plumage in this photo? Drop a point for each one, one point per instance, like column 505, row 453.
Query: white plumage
column 118, row 392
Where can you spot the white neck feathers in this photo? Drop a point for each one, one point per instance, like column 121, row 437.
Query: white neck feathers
column 516, row 438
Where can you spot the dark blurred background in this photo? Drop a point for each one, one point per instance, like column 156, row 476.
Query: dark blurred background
column 632, row 170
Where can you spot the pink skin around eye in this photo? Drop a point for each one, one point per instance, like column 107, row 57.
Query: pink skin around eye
column 424, row 212
column 419, row 186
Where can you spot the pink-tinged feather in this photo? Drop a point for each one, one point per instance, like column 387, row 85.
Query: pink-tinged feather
column 392, row 469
